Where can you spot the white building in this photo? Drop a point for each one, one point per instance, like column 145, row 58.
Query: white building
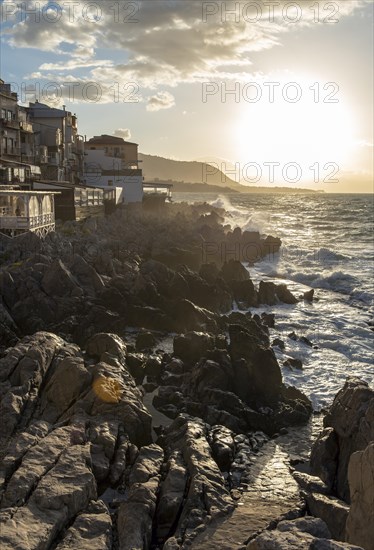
column 113, row 162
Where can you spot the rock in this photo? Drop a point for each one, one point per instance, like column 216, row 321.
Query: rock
column 91, row 530
column 309, row 295
column 192, row 346
column 209, row 272
column 104, row 343
column 171, row 495
column 285, row 295
column 293, row 363
column 145, row 340
column 331, row 510
column 267, row 293
column 223, row 447
column 233, row 270
column 259, row 375
column 314, row 526
column 323, row 458
column 299, row 534
column 351, row 416
column 188, row 317
column 60, row 495
column 360, row 521
column 147, row 464
column 311, row 484
column 306, row 341
column 136, row 514
column 206, row 498
column 279, row 343
column 244, row 292
column 268, row 319
column 58, row 281
column 86, row 276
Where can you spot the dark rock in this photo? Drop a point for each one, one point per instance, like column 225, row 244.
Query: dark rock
column 268, row 319
column 293, row 363
column 285, row 295
column 309, row 295
column 279, row 343
column 267, row 293
column 233, row 270
column 191, row 347
column 145, row 340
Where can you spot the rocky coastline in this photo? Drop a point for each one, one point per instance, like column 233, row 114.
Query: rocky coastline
column 111, row 439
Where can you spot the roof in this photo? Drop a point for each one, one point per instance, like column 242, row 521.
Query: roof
column 105, row 138
column 19, row 192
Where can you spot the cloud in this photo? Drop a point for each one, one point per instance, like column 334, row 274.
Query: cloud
column 158, row 41
column 123, row 133
column 162, row 100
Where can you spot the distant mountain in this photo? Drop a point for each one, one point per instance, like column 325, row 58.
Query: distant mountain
column 200, row 177
column 162, row 169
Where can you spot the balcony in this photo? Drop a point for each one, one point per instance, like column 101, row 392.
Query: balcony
column 13, row 152
column 23, row 222
column 10, row 123
column 26, row 127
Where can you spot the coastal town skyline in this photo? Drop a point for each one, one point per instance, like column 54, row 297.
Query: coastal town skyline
column 270, row 97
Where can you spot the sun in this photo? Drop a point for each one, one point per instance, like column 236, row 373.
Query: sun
column 307, row 125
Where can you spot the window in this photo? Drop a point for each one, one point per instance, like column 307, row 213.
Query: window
column 3, row 113
column 10, row 115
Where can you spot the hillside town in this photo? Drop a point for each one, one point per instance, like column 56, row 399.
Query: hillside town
column 48, row 170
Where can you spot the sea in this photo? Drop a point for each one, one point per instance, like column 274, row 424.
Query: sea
column 327, row 245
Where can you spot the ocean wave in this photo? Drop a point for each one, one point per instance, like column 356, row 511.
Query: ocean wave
column 238, row 216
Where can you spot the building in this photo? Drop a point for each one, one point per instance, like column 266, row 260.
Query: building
column 9, row 124
column 78, row 202
column 18, row 158
column 60, row 147
column 23, row 211
column 113, row 162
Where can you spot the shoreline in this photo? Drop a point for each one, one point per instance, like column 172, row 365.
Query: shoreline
column 74, row 383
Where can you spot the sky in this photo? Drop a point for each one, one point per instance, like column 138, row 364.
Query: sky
column 272, row 92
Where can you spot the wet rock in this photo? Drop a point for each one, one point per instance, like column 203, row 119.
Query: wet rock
column 267, row 293
column 360, row 521
column 293, row 363
column 309, row 295
column 284, row 295
column 244, row 293
column 268, row 319
column 306, row 341
column 279, row 343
